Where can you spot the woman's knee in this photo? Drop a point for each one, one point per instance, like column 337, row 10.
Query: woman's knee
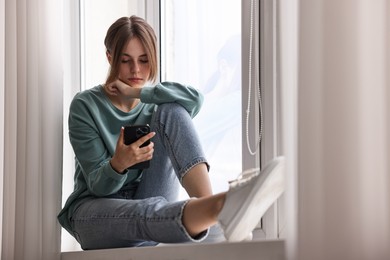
column 173, row 110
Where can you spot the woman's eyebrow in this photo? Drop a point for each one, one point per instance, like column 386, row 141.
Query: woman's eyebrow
column 141, row 56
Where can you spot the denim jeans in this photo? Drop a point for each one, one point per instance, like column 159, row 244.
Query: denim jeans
column 150, row 213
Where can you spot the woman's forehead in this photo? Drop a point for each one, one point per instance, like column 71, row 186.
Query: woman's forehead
column 134, row 48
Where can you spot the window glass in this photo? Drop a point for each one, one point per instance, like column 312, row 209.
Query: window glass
column 98, row 16
column 201, row 47
column 95, row 18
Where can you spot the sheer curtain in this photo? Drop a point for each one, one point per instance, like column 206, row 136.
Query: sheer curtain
column 2, row 70
column 32, row 128
column 341, row 185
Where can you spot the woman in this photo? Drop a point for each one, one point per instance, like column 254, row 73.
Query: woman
column 115, row 206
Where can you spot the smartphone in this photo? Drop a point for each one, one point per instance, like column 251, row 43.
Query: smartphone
column 133, row 133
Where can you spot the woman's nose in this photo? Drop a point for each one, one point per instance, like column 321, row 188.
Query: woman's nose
column 134, row 67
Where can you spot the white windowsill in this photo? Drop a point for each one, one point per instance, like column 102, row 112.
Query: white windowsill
column 260, row 250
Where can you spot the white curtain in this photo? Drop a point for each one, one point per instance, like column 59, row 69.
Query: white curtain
column 2, row 74
column 340, row 183
column 32, row 128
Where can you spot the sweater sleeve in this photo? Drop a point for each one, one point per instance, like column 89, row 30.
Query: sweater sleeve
column 167, row 92
column 91, row 152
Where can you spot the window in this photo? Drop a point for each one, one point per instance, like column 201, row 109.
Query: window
column 199, row 46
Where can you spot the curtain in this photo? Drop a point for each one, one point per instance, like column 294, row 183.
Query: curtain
column 339, row 180
column 2, row 70
column 32, row 128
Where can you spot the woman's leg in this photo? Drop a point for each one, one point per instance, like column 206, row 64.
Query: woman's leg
column 197, row 182
column 108, row 223
column 201, row 214
column 178, row 157
column 112, row 222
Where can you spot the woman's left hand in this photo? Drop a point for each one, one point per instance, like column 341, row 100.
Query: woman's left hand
column 129, row 155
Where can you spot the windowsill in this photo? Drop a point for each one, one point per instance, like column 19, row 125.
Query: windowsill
column 269, row 249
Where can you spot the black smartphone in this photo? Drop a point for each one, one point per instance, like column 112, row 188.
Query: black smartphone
column 133, row 133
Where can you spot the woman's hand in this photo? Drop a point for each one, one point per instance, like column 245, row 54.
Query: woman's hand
column 129, row 155
column 118, row 87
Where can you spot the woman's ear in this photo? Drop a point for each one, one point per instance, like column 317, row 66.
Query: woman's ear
column 109, row 57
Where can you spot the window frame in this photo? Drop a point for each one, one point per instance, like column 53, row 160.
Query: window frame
column 273, row 222
column 266, row 39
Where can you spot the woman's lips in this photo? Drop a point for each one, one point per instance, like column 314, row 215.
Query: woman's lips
column 135, row 80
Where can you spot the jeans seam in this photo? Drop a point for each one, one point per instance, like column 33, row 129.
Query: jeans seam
column 202, row 236
column 139, row 217
column 162, row 128
column 192, row 164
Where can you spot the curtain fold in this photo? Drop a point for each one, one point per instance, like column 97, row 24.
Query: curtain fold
column 2, row 100
column 32, row 129
column 343, row 151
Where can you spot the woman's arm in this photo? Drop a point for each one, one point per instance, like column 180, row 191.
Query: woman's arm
column 166, row 92
column 91, row 151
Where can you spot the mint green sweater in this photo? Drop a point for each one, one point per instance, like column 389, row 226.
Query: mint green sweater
column 94, row 126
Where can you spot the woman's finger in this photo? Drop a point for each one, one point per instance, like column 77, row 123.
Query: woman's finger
column 121, row 137
column 144, row 138
column 112, row 89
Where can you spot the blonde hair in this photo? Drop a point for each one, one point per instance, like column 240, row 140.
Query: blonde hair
column 120, row 33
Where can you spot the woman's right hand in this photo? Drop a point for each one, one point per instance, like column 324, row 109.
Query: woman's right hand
column 129, row 155
column 118, row 87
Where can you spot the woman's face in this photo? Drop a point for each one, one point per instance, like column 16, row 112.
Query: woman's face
column 134, row 67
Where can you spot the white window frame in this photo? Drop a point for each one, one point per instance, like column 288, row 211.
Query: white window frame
column 265, row 49
column 273, row 223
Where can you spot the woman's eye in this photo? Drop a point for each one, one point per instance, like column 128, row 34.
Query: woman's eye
column 144, row 61
column 125, row 61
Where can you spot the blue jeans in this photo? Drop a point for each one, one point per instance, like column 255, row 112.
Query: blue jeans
column 149, row 213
